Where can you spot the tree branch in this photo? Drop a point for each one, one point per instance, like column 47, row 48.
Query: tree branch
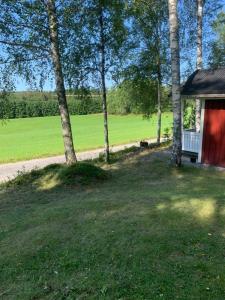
column 21, row 44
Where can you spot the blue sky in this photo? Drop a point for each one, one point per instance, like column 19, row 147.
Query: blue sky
column 21, row 84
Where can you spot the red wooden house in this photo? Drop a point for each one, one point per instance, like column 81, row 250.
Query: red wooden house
column 208, row 144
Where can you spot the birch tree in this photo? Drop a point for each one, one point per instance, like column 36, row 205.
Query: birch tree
column 60, row 87
column 192, row 27
column 103, row 35
column 161, row 60
column 150, row 57
column 199, row 62
column 110, row 25
column 176, row 96
column 30, row 48
column 103, row 84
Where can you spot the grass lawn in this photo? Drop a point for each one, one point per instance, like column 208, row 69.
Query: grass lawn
column 148, row 232
column 22, row 139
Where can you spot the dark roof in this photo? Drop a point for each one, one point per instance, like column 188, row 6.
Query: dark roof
column 203, row 82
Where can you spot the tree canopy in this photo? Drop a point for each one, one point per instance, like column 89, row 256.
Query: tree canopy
column 218, row 46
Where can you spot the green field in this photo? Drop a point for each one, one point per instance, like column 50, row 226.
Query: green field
column 22, row 139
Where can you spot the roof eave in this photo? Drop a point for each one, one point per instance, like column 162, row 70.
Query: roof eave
column 204, row 96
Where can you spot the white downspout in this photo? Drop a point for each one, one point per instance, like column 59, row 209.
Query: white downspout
column 182, row 123
column 201, row 131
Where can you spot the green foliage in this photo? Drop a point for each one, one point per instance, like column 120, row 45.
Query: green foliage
column 124, row 99
column 25, row 48
column 167, row 133
column 27, row 109
column 189, row 114
column 137, row 96
column 57, row 175
column 97, row 28
column 218, row 46
column 150, row 35
column 132, row 96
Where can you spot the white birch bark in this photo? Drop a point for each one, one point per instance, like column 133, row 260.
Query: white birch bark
column 103, row 84
column 60, row 87
column 176, row 97
column 159, row 110
column 199, row 59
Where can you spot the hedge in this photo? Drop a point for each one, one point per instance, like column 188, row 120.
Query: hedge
column 27, row 109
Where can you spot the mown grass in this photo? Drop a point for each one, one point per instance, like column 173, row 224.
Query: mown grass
column 149, row 232
column 22, row 139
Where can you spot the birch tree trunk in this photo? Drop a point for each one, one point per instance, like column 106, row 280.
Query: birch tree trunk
column 60, row 87
column 176, row 98
column 159, row 111
column 199, row 59
column 104, row 97
column 159, row 82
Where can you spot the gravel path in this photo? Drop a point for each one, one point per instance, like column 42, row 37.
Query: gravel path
column 10, row 170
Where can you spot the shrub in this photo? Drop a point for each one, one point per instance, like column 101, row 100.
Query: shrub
column 189, row 114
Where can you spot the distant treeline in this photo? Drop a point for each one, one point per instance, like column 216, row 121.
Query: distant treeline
column 129, row 97
column 47, row 96
column 27, row 109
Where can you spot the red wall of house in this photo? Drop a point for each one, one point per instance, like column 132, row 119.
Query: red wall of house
column 213, row 147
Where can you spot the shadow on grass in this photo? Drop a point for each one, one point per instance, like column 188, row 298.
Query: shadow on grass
column 149, row 232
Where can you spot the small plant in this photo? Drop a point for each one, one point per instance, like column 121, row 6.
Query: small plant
column 166, row 134
column 144, row 144
column 101, row 157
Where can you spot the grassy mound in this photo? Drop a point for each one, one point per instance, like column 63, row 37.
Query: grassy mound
column 57, row 175
column 83, row 172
